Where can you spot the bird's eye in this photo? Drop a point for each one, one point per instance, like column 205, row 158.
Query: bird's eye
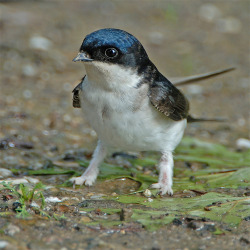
column 111, row 52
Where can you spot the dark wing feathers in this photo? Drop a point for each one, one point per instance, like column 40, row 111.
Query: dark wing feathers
column 166, row 98
column 76, row 95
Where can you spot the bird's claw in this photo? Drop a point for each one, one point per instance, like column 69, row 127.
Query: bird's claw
column 86, row 180
column 163, row 189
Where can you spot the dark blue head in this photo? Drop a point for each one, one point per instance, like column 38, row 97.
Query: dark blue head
column 113, row 46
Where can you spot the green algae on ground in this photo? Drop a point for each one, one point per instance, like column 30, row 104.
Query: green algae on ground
column 224, row 169
column 222, row 208
column 196, row 150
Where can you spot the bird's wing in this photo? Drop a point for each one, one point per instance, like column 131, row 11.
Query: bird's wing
column 197, row 78
column 76, row 95
column 168, row 99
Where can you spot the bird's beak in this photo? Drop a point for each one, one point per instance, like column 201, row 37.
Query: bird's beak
column 82, row 56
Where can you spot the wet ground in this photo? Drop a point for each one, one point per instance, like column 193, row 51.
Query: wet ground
column 43, row 139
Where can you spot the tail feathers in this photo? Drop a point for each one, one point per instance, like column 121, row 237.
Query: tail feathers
column 198, row 78
column 192, row 119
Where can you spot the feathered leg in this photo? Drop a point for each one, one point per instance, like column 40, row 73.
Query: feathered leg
column 165, row 181
column 89, row 176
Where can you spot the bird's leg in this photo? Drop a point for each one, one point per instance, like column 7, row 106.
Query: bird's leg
column 165, row 181
column 89, row 176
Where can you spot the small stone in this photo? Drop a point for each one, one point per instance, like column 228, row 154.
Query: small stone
column 24, row 180
column 16, row 181
column 196, row 225
column 229, row 25
column 207, row 208
column 11, row 230
column 84, row 204
column 34, row 204
column 29, row 70
column 63, row 208
column 194, row 90
column 241, row 143
column 39, row 42
column 5, row 173
column 52, row 199
column 3, row 244
column 31, row 180
column 27, row 94
column 209, row 227
column 209, row 12
column 85, row 219
column 177, row 222
column 67, row 118
column 156, row 38
column 96, row 197
column 147, row 193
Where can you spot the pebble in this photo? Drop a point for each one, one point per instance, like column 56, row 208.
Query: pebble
column 156, row 38
column 243, row 143
column 5, row 173
column 24, row 180
column 228, row 25
column 52, row 199
column 209, row 12
column 3, row 244
column 31, row 180
column 15, row 181
column 147, row 193
column 85, row 219
column 194, row 90
column 11, row 230
column 241, row 122
column 177, row 222
column 39, row 42
column 27, row 94
column 196, row 225
column 34, row 204
column 28, row 70
column 96, row 197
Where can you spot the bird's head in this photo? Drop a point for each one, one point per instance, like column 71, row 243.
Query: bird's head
column 112, row 47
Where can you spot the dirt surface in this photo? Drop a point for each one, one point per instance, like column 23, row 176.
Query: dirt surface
column 40, row 129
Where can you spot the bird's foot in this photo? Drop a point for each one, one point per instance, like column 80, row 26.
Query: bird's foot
column 87, row 180
column 163, row 188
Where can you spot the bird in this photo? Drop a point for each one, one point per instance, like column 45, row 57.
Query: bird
column 129, row 103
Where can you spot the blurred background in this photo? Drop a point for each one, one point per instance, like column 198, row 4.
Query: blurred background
column 39, row 39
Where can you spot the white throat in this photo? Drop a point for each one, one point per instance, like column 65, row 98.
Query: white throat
column 111, row 76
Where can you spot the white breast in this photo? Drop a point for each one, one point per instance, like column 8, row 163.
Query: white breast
column 122, row 114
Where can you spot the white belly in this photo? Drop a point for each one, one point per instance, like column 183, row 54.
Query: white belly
column 129, row 121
